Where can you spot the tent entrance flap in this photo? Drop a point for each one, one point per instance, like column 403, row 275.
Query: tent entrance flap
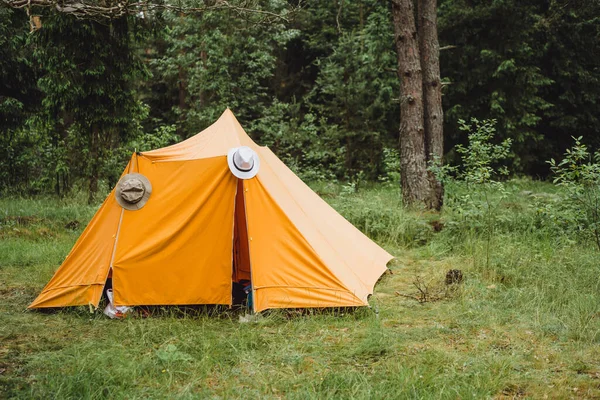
column 241, row 251
column 241, row 275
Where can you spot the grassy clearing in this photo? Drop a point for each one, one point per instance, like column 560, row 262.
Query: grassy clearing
column 524, row 324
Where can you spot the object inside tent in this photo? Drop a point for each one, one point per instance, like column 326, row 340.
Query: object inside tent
column 241, row 276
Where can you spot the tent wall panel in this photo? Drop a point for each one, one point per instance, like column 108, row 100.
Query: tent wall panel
column 178, row 249
column 349, row 253
column 280, row 255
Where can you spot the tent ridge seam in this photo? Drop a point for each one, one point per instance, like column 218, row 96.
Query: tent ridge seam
column 180, row 159
column 114, row 250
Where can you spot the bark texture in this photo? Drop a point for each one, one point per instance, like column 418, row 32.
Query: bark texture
column 413, row 164
column 432, row 94
column 420, row 100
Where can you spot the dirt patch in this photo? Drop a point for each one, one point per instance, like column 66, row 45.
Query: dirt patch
column 72, row 225
column 17, row 296
column 511, row 391
column 27, row 227
column 22, row 220
column 437, row 225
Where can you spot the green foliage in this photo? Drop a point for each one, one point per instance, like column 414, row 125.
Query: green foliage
column 84, row 73
column 321, row 89
column 18, row 95
column 18, row 100
column 89, row 101
column 526, row 326
column 481, row 156
column 495, row 69
column 162, row 136
column 354, row 91
column 115, row 159
column 572, row 30
column 524, row 63
column 391, row 166
column 325, row 108
column 214, row 64
column 579, row 173
column 479, row 170
column 303, row 145
column 479, row 173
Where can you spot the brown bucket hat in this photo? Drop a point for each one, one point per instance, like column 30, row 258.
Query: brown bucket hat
column 133, row 191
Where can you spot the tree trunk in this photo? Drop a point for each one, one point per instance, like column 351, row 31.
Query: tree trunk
column 432, row 95
column 182, row 87
column 413, row 163
column 93, row 188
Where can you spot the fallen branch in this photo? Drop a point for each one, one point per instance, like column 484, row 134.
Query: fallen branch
column 429, row 291
column 116, row 9
column 408, row 296
column 449, row 47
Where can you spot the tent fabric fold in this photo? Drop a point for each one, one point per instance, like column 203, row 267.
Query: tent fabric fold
column 200, row 220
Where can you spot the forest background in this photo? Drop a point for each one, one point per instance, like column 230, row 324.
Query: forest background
column 319, row 87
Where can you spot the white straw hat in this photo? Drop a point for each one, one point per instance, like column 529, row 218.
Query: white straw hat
column 133, row 191
column 243, row 162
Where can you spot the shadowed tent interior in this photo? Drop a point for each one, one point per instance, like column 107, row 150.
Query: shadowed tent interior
column 203, row 229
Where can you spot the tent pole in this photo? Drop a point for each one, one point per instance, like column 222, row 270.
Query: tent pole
column 114, row 250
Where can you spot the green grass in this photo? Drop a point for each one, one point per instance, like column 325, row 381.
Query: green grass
column 525, row 325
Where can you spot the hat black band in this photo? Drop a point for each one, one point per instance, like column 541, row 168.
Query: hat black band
column 243, row 169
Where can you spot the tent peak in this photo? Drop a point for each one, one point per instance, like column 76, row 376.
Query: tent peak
column 228, row 113
column 216, row 140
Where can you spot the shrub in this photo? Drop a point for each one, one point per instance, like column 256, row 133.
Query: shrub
column 479, row 173
column 390, row 166
column 579, row 174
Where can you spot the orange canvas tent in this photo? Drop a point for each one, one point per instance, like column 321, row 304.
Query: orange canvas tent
column 202, row 229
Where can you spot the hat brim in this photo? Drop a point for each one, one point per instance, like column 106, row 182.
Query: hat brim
column 243, row 174
column 144, row 199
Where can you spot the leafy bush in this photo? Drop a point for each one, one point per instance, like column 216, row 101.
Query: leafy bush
column 480, row 173
column 579, row 174
column 391, row 166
